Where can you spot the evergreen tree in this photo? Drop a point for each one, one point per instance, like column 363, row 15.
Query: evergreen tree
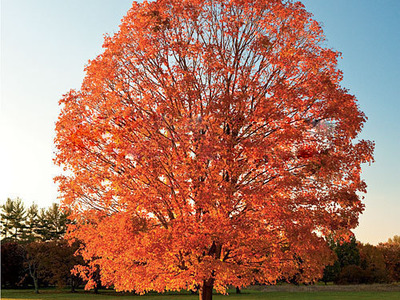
column 12, row 219
column 6, row 216
column 348, row 253
column 51, row 223
column 31, row 222
column 56, row 222
column 331, row 272
column 42, row 228
column 347, row 260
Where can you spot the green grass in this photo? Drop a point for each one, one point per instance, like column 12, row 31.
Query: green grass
column 246, row 294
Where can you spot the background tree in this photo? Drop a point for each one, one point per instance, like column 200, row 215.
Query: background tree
column 31, row 223
column 6, row 217
column 211, row 144
column 59, row 261
column 56, row 222
column 391, row 253
column 358, row 263
column 51, row 223
column 372, row 261
column 42, row 229
column 12, row 218
column 395, row 240
column 331, row 272
column 12, row 264
column 348, row 252
column 35, row 257
column 346, row 263
column 33, row 247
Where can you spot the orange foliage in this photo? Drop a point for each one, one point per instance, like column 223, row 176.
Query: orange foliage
column 211, row 144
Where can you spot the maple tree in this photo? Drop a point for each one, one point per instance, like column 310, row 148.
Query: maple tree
column 211, row 144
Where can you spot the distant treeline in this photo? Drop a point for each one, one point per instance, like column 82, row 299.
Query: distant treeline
column 364, row 263
column 34, row 252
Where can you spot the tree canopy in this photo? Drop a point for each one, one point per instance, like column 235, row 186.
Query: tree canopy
column 211, row 144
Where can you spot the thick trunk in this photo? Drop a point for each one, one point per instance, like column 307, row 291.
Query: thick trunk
column 205, row 292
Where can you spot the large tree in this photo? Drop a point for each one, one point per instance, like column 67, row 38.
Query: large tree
column 211, row 144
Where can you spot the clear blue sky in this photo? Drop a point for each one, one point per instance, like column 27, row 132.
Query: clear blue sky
column 46, row 43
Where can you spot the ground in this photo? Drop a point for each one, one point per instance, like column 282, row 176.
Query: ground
column 281, row 292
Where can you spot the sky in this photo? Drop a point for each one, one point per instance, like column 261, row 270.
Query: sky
column 45, row 45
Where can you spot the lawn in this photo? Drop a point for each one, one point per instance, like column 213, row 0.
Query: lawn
column 246, row 294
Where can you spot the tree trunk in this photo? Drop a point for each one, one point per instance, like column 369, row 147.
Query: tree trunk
column 33, row 273
column 238, row 290
column 36, row 284
column 72, row 284
column 205, row 292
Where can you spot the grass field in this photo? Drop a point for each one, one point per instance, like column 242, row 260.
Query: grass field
column 375, row 292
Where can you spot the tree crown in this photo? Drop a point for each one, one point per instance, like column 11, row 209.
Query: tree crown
column 211, row 144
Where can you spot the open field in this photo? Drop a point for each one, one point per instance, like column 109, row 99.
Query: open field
column 356, row 292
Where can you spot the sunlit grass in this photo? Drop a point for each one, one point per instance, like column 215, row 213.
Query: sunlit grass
column 246, row 294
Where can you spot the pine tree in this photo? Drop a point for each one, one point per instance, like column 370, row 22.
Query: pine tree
column 31, row 223
column 12, row 219
column 51, row 223
column 42, row 228
column 56, row 220
column 6, row 215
